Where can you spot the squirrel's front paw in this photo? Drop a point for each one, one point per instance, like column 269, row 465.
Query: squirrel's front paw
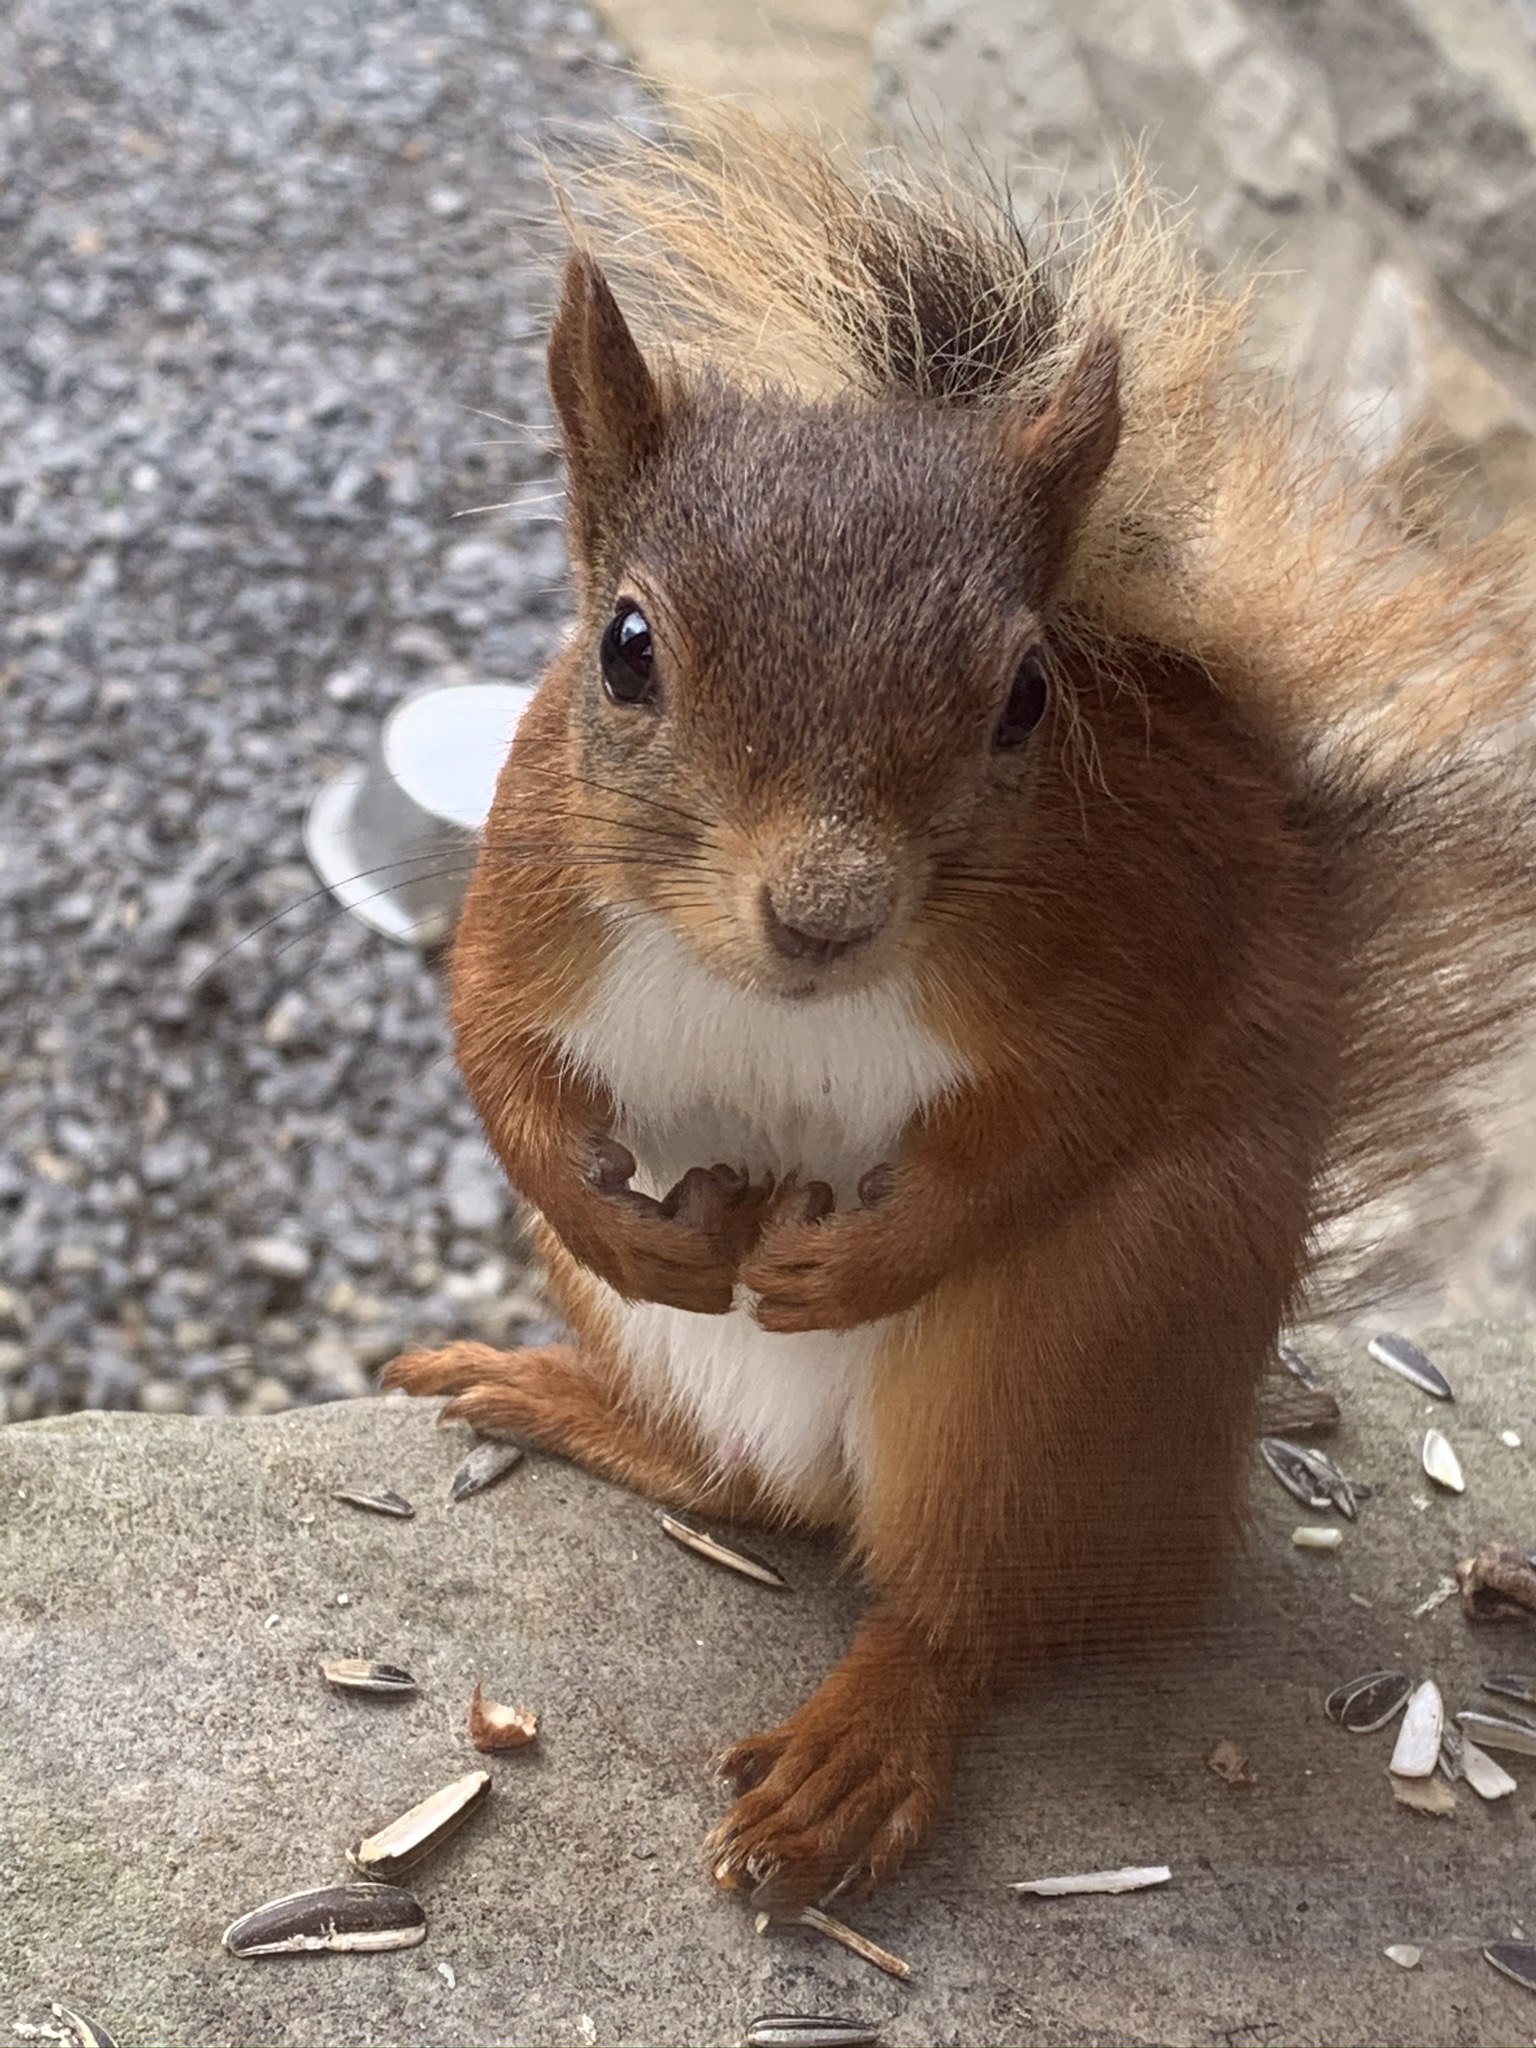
column 807, row 1267
column 813, row 1269
column 683, row 1250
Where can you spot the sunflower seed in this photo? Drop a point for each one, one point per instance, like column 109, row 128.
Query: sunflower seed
column 1317, row 1539
column 1492, row 1731
column 1516, row 1959
column 341, row 1916
column 493, row 1727
column 1441, row 1462
column 1299, row 1368
column 1406, row 1359
column 1418, row 1740
column 1488, row 1779
column 485, row 1464
column 1362, row 1705
column 1308, row 1476
column 1512, row 1685
column 359, row 1674
column 810, row 2030
column 1404, row 1954
column 850, row 1938
column 747, row 1562
column 426, row 1827
column 1131, row 1879
column 388, row 1502
column 87, row 2033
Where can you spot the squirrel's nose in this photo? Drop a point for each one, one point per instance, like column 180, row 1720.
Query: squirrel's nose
column 818, row 935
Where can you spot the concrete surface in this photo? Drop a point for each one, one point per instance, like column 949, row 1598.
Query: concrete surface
column 169, row 1757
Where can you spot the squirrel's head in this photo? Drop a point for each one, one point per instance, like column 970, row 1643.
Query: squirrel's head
column 812, row 682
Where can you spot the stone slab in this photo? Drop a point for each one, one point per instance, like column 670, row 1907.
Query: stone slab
column 169, row 1757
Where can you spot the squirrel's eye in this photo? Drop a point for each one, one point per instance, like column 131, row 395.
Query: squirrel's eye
column 1026, row 702
column 627, row 657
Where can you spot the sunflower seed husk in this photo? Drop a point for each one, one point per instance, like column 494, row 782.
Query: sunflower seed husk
column 1362, row 1705
column 87, row 2033
column 1288, row 1409
column 1512, row 1685
column 1228, row 1762
column 493, row 1726
column 747, row 1562
column 850, row 1938
column 485, row 1464
column 1492, row 1731
column 1299, row 1368
column 1498, row 1584
column 1404, row 1954
column 810, row 2030
column 1131, row 1879
column 1311, row 1538
column 1290, row 1468
column 1424, row 1795
column 1417, row 1750
column 425, row 1828
column 1345, row 1494
column 1516, row 1959
column 1407, row 1360
column 1293, row 1400
column 1308, row 1476
column 1488, row 1779
column 361, row 1674
column 385, row 1502
column 340, row 1916
column 1441, row 1462
column 1452, row 1754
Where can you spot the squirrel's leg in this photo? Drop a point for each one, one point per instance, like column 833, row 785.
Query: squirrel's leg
column 835, row 1797
column 557, row 1397
column 1055, row 1456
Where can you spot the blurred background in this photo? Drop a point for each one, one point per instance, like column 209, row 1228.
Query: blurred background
column 273, row 280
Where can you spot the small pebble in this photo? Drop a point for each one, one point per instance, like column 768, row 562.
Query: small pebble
column 1404, row 1954
column 278, row 1257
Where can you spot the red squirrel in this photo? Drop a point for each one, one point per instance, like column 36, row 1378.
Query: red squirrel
column 1008, row 853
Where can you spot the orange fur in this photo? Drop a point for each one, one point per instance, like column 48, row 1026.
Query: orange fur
column 1210, row 951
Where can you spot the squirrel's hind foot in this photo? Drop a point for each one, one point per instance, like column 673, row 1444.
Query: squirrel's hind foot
column 835, row 1799
column 551, row 1396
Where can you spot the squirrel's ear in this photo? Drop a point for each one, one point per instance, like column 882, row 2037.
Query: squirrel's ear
column 1065, row 450
column 610, row 409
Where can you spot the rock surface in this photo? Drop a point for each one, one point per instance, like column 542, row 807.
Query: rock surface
column 169, row 1756
column 1377, row 158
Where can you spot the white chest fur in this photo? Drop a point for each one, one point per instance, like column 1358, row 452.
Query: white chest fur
column 703, row 1072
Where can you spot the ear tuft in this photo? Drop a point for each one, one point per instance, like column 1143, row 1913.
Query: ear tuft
column 610, row 410
column 1065, row 450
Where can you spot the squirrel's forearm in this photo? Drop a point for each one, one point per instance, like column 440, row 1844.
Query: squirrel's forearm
column 543, row 1120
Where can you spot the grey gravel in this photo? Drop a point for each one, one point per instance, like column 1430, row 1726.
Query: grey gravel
column 265, row 272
